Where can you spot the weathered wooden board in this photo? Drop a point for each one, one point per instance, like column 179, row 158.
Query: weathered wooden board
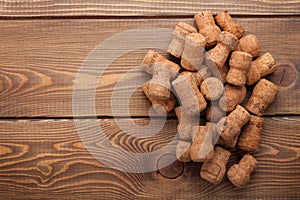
column 143, row 7
column 39, row 60
column 46, row 159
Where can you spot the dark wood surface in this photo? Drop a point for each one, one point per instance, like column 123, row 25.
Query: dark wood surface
column 45, row 158
column 121, row 8
column 43, row 44
column 39, row 64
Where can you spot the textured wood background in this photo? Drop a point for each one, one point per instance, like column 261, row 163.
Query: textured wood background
column 43, row 44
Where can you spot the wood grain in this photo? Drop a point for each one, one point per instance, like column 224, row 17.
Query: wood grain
column 46, row 159
column 39, row 60
column 143, row 7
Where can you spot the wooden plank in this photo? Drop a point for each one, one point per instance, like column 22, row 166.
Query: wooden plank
column 39, row 61
column 46, row 159
column 143, row 7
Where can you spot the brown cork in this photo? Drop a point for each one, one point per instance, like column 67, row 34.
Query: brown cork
column 202, row 148
column 153, row 57
column 161, row 107
column 207, row 27
column 261, row 67
column 250, row 137
column 191, row 99
column 229, row 127
column 159, row 87
column 233, row 96
column 224, row 20
column 239, row 65
column 212, row 88
column 181, row 30
column 192, row 56
column 201, row 75
column 227, row 42
column 249, row 44
column 263, row 95
column 214, row 170
column 186, row 123
column 214, row 113
column 183, row 151
column 239, row 174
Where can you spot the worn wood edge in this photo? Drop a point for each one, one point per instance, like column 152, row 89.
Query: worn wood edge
column 43, row 8
column 38, row 72
column 45, row 158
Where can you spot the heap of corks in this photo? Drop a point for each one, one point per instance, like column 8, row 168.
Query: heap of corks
column 217, row 60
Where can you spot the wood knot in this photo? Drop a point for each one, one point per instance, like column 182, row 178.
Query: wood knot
column 171, row 171
column 285, row 75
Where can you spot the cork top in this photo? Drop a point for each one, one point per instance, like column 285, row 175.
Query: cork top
column 229, row 40
column 221, row 155
column 249, row 44
column 241, row 60
column 196, row 39
column 184, row 28
column 248, row 163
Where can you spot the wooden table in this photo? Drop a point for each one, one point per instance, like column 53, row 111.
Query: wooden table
column 43, row 44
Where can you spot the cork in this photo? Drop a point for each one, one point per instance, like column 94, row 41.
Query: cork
column 183, row 151
column 239, row 174
column 239, row 65
column 201, row 148
column 214, row 113
column 186, row 123
column 212, row 88
column 207, row 27
column 227, row 42
column 191, row 99
column 181, row 30
column 229, row 127
column 159, row 87
column 201, row 74
column 250, row 136
column 161, row 107
column 261, row 67
column 263, row 95
column 192, row 56
column 249, row 44
column 224, row 20
column 214, row 170
column 233, row 96
column 152, row 57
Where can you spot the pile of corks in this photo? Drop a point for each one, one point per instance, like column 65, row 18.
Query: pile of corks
column 217, row 60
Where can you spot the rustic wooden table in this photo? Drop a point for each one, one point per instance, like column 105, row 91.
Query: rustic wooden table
column 43, row 44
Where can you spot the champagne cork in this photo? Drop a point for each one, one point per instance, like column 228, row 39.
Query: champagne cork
column 217, row 56
column 161, row 107
column 181, row 30
column 191, row 99
column 202, row 148
column 207, row 27
column 239, row 65
column 233, row 96
column 192, row 56
column 249, row 44
column 250, row 137
column 224, row 20
column 262, row 96
column 186, row 123
column 239, row 174
column 261, row 67
column 153, row 57
column 214, row 170
column 229, row 127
